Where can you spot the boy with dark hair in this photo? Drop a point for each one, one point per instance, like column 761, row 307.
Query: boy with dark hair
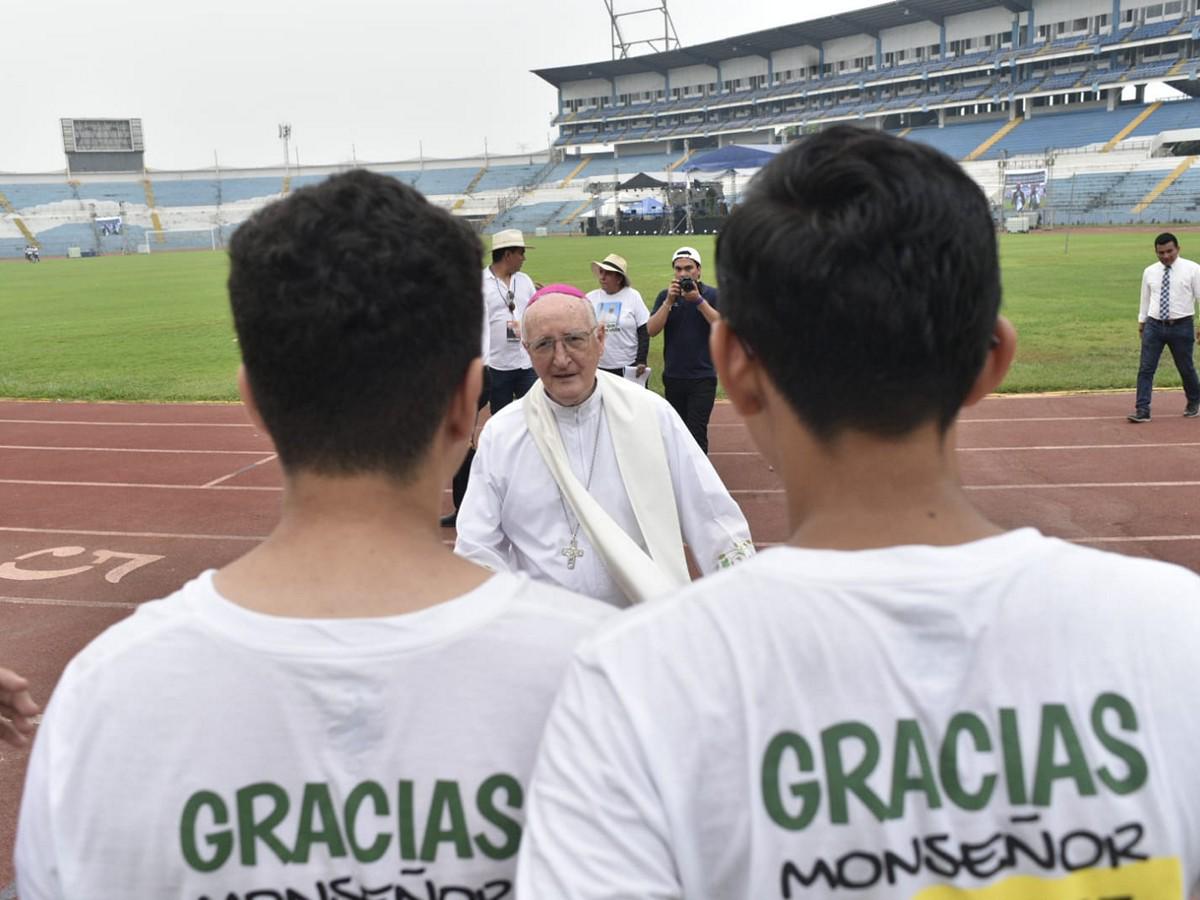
column 349, row 709
column 904, row 701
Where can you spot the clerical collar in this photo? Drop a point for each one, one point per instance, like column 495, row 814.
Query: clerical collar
column 593, row 402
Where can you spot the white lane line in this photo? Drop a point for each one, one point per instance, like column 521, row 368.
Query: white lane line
column 1080, row 484
column 1137, row 539
column 127, row 450
column 132, row 484
column 14, row 529
column 1043, row 419
column 253, row 465
column 52, row 601
column 127, row 424
column 1078, row 447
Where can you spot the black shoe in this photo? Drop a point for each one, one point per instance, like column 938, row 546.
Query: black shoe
column 1139, row 416
column 1192, row 411
column 449, row 520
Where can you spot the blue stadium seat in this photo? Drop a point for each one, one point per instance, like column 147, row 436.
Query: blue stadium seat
column 25, row 196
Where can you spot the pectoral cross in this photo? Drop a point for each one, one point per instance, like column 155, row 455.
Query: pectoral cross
column 571, row 552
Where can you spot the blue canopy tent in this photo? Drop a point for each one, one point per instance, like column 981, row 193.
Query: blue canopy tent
column 733, row 156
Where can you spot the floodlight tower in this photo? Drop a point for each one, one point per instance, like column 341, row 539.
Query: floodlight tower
column 660, row 39
column 285, row 135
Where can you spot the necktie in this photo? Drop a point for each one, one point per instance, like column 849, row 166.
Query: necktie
column 1164, row 295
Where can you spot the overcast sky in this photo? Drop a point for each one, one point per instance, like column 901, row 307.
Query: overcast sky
column 376, row 78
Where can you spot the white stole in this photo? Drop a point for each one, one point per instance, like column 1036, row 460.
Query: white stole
column 642, row 461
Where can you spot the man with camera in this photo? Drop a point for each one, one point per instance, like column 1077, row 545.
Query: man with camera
column 685, row 312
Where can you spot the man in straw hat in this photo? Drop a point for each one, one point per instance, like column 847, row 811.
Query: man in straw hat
column 622, row 314
column 506, row 292
column 589, row 481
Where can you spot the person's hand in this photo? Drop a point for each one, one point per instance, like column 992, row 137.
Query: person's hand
column 673, row 292
column 641, row 369
column 693, row 296
column 17, row 709
column 1141, row 328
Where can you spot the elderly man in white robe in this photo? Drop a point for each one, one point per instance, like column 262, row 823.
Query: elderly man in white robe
column 590, row 481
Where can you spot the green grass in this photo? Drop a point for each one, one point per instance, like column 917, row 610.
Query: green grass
column 157, row 327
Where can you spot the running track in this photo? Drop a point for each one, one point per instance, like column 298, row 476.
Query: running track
column 105, row 506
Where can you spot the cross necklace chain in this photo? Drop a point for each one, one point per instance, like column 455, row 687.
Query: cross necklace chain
column 572, row 551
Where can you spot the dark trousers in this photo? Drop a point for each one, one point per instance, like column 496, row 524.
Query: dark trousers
column 1180, row 337
column 509, row 385
column 693, row 399
column 458, row 487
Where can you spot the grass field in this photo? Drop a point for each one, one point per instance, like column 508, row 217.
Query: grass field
column 157, row 327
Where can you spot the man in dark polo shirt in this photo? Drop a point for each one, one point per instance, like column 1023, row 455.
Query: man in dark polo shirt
column 686, row 311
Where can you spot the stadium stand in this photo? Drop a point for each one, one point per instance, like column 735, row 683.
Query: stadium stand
column 1018, row 85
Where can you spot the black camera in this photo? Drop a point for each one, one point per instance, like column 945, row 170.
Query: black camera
column 687, row 285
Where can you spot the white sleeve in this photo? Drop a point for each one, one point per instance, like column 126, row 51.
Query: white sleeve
column 641, row 315
column 712, row 523
column 595, row 826
column 481, row 536
column 36, row 855
column 1145, row 304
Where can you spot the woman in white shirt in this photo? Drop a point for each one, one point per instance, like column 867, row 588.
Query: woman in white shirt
column 622, row 312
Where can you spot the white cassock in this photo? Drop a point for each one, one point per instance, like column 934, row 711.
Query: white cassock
column 514, row 516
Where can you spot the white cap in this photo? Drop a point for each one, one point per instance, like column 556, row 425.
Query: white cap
column 687, row 253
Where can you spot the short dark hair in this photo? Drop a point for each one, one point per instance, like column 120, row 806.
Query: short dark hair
column 1166, row 238
column 862, row 270
column 356, row 304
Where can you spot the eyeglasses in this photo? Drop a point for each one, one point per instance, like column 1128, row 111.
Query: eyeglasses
column 574, row 342
column 512, row 307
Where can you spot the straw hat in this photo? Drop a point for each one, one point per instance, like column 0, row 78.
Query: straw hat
column 612, row 263
column 510, row 237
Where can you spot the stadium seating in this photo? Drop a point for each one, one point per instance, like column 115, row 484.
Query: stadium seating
column 25, row 196
column 956, row 140
column 507, row 177
column 190, row 192
column 1179, row 114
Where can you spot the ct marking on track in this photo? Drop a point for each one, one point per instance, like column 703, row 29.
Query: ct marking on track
column 11, row 571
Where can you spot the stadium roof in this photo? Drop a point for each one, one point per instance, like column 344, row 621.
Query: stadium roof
column 871, row 21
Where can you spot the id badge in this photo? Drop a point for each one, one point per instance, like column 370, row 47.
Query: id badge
column 512, row 331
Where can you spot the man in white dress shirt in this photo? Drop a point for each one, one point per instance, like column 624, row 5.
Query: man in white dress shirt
column 1166, row 319
column 589, row 481
column 506, row 291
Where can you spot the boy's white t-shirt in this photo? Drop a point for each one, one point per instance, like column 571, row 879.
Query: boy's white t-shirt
column 1013, row 717
column 199, row 749
column 621, row 314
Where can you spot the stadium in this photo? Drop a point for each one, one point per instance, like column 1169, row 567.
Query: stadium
column 1079, row 119
column 1046, row 97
